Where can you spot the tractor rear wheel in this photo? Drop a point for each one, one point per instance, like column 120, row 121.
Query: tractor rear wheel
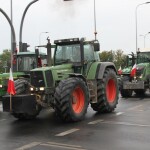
column 22, row 87
column 107, row 92
column 71, row 99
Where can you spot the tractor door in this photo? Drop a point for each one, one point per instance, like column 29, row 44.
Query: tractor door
column 90, row 56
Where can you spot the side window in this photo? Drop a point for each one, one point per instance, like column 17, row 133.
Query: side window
column 88, row 52
column 59, row 53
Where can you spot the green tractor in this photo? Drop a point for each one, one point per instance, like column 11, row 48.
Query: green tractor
column 129, row 62
column 23, row 63
column 140, row 81
column 76, row 79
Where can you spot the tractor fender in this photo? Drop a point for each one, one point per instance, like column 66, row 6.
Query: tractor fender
column 102, row 67
column 78, row 76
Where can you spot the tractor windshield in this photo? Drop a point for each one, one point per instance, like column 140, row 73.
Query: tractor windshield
column 26, row 62
column 67, row 53
column 130, row 60
column 143, row 57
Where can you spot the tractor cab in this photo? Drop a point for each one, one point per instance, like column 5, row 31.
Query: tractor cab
column 30, row 60
column 143, row 57
column 77, row 52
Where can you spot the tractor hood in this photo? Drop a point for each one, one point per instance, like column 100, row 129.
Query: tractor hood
column 5, row 76
column 59, row 72
column 142, row 65
column 48, row 76
column 126, row 70
column 58, row 67
column 15, row 74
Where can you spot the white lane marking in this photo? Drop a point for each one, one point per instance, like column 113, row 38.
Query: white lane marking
column 1, row 107
column 67, row 132
column 95, row 122
column 119, row 113
column 2, row 120
column 33, row 144
column 126, row 123
column 62, row 146
column 54, row 143
column 135, row 107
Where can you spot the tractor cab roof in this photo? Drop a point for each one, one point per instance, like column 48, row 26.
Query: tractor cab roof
column 67, row 41
column 73, row 41
column 29, row 53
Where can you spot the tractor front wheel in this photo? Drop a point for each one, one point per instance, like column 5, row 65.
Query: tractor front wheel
column 22, row 87
column 71, row 99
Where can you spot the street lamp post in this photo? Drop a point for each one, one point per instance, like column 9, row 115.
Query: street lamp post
column 13, row 35
column 95, row 32
column 11, row 17
column 145, row 37
column 40, row 37
column 21, row 25
column 136, row 27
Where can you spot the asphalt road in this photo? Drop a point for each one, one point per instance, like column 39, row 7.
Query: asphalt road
column 128, row 128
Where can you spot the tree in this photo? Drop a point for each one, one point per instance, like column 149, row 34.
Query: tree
column 5, row 59
column 106, row 56
column 118, row 57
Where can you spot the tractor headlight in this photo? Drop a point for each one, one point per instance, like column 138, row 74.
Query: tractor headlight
column 141, row 76
column 41, row 88
column 31, row 89
column 1, row 85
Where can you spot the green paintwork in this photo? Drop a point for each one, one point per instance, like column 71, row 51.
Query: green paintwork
column 92, row 70
column 4, row 77
column 59, row 72
column 146, row 70
column 127, row 70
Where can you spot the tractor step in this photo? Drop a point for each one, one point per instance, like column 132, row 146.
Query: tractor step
column 93, row 91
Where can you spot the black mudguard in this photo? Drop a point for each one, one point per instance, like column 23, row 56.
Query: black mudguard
column 20, row 103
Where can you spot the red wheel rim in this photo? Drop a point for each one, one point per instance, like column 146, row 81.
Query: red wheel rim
column 111, row 91
column 78, row 100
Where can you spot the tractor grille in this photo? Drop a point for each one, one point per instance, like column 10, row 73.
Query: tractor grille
column 37, row 79
column 49, row 78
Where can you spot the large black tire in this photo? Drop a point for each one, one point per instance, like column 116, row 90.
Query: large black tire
column 71, row 99
column 107, row 92
column 125, row 92
column 22, row 87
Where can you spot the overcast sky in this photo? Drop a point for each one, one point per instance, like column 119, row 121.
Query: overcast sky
column 115, row 22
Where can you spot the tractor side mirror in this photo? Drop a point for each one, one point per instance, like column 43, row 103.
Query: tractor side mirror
column 96, row 46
